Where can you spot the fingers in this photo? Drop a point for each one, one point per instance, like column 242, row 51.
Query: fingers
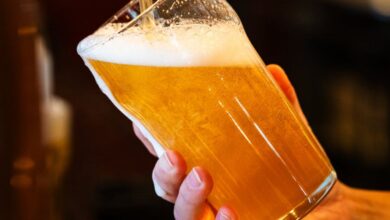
column 144, row 140
column 168, row 174
column 191, row 201
column 283, row 82
column 226, row 213
column 285, row 85
column 189, row 193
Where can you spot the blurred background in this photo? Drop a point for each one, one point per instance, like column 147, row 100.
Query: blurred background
column 67, row 153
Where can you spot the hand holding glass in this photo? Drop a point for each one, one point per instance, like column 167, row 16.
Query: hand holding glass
column 185, row 72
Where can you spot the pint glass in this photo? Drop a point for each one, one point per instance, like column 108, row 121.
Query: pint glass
column 185, row 72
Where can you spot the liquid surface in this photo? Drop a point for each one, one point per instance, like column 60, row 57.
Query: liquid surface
column 204, row 92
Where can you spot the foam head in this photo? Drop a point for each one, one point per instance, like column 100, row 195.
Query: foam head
column 223, row 44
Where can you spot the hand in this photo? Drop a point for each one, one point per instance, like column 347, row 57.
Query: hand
column 189, row 192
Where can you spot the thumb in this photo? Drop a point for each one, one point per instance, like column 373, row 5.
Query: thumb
column 285, row 85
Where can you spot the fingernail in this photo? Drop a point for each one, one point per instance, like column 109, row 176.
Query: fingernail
column 223, row 215
column 168, row 161
column 194, row 179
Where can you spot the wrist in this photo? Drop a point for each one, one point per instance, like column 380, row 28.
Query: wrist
column 366, row 204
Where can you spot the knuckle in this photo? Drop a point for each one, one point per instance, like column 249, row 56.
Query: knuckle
column 169, row 185
column 157, row 176
column 173, row 175
column 155, row 170
column 188, row 198
column 159, row 190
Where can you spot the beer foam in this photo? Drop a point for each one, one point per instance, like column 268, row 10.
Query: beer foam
column 223, row 44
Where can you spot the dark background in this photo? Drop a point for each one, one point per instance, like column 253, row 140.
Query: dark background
column 337, row 55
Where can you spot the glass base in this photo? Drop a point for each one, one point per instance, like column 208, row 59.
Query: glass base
column 313, row 200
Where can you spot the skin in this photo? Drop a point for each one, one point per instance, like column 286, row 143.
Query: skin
column 189, row 191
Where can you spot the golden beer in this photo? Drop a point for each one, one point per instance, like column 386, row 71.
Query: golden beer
column 218, row 107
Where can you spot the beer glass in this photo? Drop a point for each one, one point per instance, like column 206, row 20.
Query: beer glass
column 185, row 72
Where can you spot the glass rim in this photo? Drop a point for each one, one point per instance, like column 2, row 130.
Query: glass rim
column 136, row 18
column 127, row 25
